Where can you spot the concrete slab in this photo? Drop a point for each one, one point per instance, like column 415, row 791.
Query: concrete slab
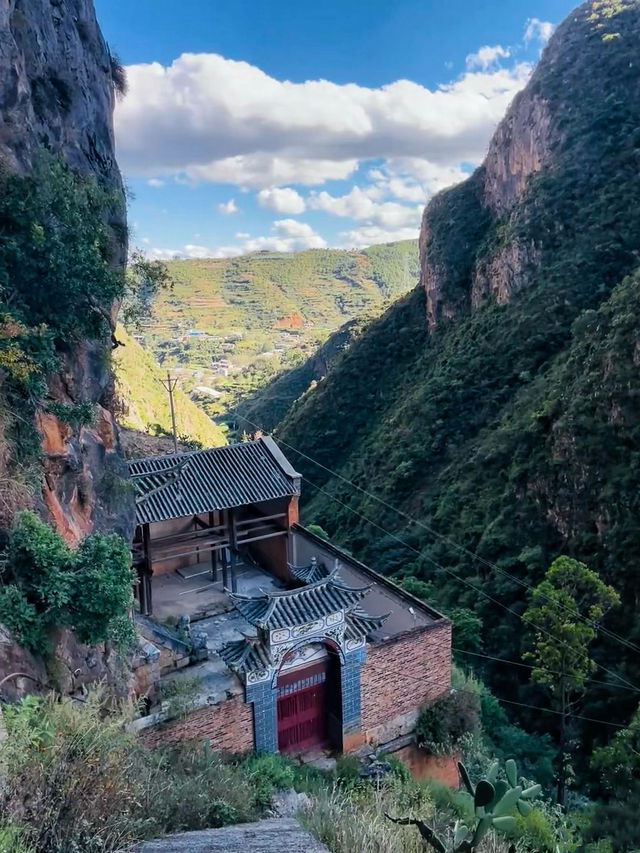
column 277, row 835
column 190, row 590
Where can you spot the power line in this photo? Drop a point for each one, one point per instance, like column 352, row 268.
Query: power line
column 460, row 548
column 459, row 578
column 529, row 666
column 544, row 709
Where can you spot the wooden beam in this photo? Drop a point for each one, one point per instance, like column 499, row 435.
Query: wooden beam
column 146, row 601
column 233, row 537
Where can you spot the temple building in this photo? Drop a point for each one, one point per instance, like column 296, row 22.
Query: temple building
column 304, row 646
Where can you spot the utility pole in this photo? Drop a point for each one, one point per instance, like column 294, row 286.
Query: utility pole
column 170, row 385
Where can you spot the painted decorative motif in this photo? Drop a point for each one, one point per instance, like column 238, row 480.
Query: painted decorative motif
column 334, row 618
column 308, row 628
column 280, row 636
column 258, row 675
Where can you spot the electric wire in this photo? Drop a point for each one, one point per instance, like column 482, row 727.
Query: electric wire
column 456, row 546
column 461, row 579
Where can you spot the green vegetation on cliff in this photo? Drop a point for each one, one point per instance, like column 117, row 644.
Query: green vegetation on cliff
column 143, row 402
column 512, row 431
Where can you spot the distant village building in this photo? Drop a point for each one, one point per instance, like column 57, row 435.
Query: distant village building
column 305, row 646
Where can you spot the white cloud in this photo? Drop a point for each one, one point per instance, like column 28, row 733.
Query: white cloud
column 163, row 254
column 289, row 235
column 357, row 204
column 537, row 30
column 228, row 207
column 369, row 235
column 486, row 57
column 146, row 241
column 242, row 235
column 411, row 179
column 282, row 200
column 266, row 170
column 155, row 182
column 207, row 118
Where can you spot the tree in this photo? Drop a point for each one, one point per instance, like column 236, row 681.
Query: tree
column 617, row 768
column 564, row 612
column 46, row 585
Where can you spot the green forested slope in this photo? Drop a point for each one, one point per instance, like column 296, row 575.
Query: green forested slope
column 143, row 402
column 233, row 324
column 513, row 429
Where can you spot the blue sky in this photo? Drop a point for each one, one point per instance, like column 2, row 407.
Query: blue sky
column 253, row 124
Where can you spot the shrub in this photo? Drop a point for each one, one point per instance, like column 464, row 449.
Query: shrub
column 191, row 787
column 49, row 585
column 269, row 773
column 70, row 776
column 443, row 724
column 76, row 414
column 57, row 251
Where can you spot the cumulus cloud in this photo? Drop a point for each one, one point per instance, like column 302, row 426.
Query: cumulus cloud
column 358, row 204
column 487, row 57
column 369, row 235
column 207, row 118
column 411, row 179
column 537, row 30
column 288, row 235
column 282, row 200
column 228, row 207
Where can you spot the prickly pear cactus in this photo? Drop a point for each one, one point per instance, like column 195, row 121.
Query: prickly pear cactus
column 495, row 803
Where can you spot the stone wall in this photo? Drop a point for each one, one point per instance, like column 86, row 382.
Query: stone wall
column 399, row 677
column 227, row 725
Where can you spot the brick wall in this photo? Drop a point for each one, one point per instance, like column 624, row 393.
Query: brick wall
column 227, row 725
column 401, row 675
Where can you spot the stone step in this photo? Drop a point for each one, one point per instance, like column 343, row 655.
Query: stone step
column 276, row 835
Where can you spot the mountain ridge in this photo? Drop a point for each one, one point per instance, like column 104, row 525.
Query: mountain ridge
column 536, row 360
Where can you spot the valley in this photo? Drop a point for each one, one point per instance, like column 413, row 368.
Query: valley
column 227, row 327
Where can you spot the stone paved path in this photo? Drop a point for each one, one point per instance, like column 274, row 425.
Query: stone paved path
column 277, row 835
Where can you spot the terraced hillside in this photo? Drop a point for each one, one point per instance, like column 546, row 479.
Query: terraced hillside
column 229, row 325
column 144, row 404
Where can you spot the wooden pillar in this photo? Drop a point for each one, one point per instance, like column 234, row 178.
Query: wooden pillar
column 233, row 538
column 146, row 601
column 225, row 567
column 214, row 552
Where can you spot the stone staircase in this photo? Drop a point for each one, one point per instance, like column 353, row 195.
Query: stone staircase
column 275, row 835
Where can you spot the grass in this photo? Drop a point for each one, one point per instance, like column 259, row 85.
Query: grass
column 265, row 312
column 76, row 778
column 144, row 402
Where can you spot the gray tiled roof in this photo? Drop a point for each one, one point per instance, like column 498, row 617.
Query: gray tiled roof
column 312, row 573
column 245, row 655
column 298, row 606
column 359, row 624
column 217, row 478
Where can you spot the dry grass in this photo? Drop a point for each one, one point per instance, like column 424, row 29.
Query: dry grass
column 353, row 821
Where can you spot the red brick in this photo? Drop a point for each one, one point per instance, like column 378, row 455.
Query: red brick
column 403, row 674
column 228, row 726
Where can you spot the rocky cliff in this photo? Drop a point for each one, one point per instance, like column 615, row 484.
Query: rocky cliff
column 57, row 89
column 508, row 424
column 496, row 255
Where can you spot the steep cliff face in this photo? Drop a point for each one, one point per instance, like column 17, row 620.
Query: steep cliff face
column 57, row 92
column 508, row 424
column 497, row 252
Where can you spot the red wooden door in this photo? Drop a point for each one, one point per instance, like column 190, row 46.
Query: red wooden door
column 302, row 711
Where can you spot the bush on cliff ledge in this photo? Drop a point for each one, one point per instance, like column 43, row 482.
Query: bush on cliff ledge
column 47, row 585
